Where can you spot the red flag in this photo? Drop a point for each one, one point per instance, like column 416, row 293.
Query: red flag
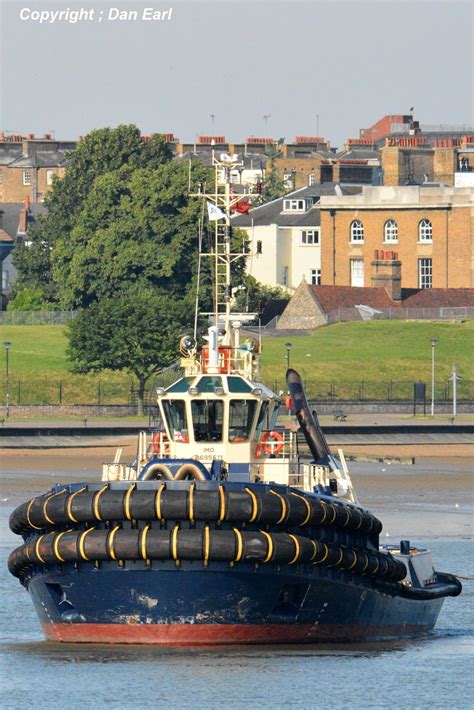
column 241, row 206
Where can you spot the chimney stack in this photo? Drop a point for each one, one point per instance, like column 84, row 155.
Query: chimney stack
column 387, row 273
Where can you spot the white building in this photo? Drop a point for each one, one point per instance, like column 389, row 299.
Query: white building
column 285, row 236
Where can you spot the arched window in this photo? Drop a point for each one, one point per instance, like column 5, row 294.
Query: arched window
column 390, row 231
column 357, row 231
column 425, row 231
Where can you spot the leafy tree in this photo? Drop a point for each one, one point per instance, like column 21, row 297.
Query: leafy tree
column 103, row 151
column 255, row 295
column 137, row 330
column 29, row 299
column 136, row 226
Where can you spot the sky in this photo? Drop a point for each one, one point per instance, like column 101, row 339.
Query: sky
column 325, row 67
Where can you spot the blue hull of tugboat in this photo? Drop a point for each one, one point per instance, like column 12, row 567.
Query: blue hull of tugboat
column 189, row 605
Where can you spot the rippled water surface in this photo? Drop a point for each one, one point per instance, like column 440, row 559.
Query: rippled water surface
column 435, row 671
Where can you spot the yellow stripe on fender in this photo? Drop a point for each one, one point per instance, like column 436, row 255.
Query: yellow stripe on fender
column 206, row 544
column 174, row 543
column 240, row 545
column 192, row 488
column 254, row 505
column 221, row 503
column 81, row 543
column 32, row 525
column 126, row 502
column 96, row 502
column 297, row 549
column 143, row 542
column 283, row 507
column 158, row 501
column 270, row 546
column 37, row 550
column 308, row 508
column 110, row 542
column 55, row 546
column 69, row 504
column 45, row 505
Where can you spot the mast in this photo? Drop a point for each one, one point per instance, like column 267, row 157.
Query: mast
column 225, row 328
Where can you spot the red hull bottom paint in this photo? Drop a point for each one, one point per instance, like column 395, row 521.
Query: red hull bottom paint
column 220, row 634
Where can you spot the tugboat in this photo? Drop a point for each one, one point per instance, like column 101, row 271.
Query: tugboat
column 221, row 531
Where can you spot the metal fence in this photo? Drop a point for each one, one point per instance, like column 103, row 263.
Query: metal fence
column 29, row 392
column 36, row 317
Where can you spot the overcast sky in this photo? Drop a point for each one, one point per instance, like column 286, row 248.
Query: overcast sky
column 349, row 62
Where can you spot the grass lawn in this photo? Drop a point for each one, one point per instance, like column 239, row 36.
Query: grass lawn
column 347, row 354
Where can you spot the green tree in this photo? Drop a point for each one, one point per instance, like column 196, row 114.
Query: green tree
column 255, row 295
column 137, row 330
column 136, row 226
column 29, row 299
column 103, row 151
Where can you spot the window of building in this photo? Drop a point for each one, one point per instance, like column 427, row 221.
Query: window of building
column 311, row 179
column 293, row 205
column 49, row 177
column 5, row 280
column 315, row 277
column 26, row 177
column 357, row 272
column 425, row 231
column 357, row 231
column 390, row 233
column 425, row 273
column 285, row 276
column 310, row 237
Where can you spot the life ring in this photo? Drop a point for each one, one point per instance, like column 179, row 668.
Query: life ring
column 160, row 439
column 272, row 448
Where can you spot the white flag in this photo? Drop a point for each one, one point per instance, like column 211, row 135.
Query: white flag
column 214, row 212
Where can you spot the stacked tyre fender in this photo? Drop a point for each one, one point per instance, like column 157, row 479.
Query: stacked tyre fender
column 196, row 523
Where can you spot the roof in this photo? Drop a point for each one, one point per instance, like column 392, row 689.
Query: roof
column 272, row 212
column 4, row 237
column 11, row 215
column 273, row 308
column 330, row 298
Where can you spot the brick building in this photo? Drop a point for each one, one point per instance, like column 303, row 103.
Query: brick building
column 29, row 164
column 430, row 229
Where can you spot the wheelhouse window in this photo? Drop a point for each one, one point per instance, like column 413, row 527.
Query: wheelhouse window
column 208, row 417
column 294, row 205
column 262, row 422
column 425, row 231
column 390, row 231
column 241, row 415
column 175, row 414
column 310, row 237
column 425, row 273
column 357, row 231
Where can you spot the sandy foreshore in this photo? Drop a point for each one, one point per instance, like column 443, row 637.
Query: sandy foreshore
column 432, row 498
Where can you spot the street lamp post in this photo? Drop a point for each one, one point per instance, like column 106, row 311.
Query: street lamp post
column 7, row 345
column 288, row 347
column 434, row 342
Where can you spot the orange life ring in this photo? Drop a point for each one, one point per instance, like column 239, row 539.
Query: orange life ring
column 159, row 438
column 272, row 448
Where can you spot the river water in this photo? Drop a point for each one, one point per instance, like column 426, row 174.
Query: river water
column 435, row 671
